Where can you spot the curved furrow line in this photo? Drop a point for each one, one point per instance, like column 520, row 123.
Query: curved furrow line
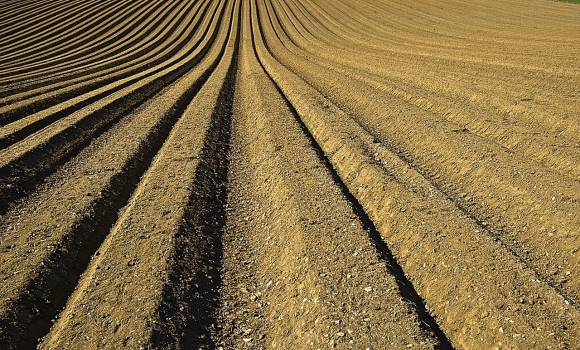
column 12, row 8
column 473, row 72
column 459, row 240
column 567, row 165
column 467, row 117
column 178, row 190
column 373, row 39
column 65, row 40
column 48, row 29
column 282, row 161
column 32, row 13
column 73, row 96
column 90, row 46
column 555, row 120
column 134, row 29
column 455, row 173
column 289, row 174
column 273, row 157
column 51, row 29
column 170, row 40
column 86, row 202
column 26, row 162
column 10, row 5
column 410, row 28
column 483, row 17
column 485, row 128
column 134, row 41
column 382, row 48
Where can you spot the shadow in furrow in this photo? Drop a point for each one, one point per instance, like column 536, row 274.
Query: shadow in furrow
column 127, row 14
column 31, row 315
column 496, row 232
column 191, row 298
column 19, row 178
column 16, row 113
column 406, row 288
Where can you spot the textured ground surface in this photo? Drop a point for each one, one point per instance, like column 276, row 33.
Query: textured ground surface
column 289, row 174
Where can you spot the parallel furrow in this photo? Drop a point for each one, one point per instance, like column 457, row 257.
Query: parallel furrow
column 161, row 305
column 425, row 238
column 39, row 38
column 34, row 16
column 58, row 91
column 228, row 174
column 281, row 263
column 33, row 158
column 426, row 144
column 98, row 183
column 124, row 33
column 83, row 48
column 561, row 158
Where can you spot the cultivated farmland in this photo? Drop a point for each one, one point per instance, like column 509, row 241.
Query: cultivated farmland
column 289, row 174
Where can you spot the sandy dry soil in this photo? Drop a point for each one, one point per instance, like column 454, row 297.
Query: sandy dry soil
column 289, row 174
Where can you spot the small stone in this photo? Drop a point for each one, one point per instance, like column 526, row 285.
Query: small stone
column 368, row 289
column 340, row 334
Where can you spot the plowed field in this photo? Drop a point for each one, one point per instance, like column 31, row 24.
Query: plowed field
column 289, row 174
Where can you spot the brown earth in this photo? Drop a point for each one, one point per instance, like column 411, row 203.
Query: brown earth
column 289, row 174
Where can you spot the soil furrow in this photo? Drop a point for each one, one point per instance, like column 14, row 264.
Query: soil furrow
column 120, row 37
column 484, row 73
column 108, row 35
column 292, row 174
column 14, row 50
column 493, row 231
column 13, row 13
column 129, row 44
column 467, row 116
column 167, row 300
column 42, row 17
column 86, row 205
column 489, row 212
column 19, row 51
column 406, row 288
column 287, row 273
column 90, row 87
column 27, row 162
column 60, row 91
column 454, row 250
column 454, row 160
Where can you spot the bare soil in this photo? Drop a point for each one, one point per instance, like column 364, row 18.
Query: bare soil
column 284, row 174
